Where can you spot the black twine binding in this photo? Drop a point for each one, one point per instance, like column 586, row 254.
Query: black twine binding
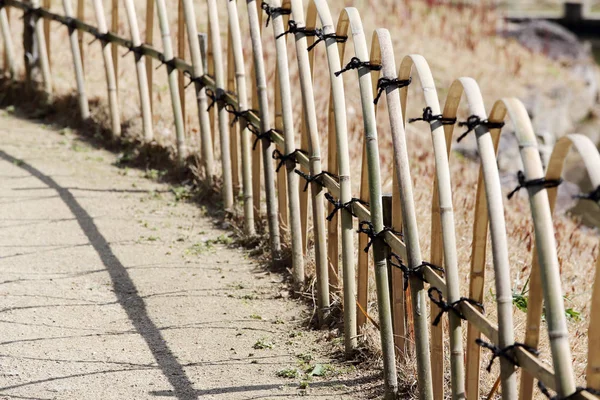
column 506, row 352
column 102, row 37
column 274, row 11
column 384, row 83
column 69, row 22
column 217, row 97
column 230, row 108
column 445, row 307
column 315, row 178
column 429, row 117
column 543, row 182
column 323, row 36
column 338, row 205
column 474, row 121
column 284, row 158
column 294, row 28
column 594, row 195
column 407, row 271
column 193, row 79
column 356, row 63
column 368, row 229
column 573, row 395
column 259, row 136
column 137, row 50
column 169, row 63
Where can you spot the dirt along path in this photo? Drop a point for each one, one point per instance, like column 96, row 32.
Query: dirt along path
column 112, row 288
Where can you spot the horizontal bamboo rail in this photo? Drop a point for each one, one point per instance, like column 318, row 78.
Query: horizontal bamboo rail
column 489, row 208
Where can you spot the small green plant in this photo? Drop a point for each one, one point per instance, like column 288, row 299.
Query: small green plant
column 181, row 193
column 262, row 344
column 18, row 163
column 255, row 316
column 200, row 248
column 289, row 373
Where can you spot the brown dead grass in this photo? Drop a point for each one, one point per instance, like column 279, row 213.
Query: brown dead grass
column 456, row 42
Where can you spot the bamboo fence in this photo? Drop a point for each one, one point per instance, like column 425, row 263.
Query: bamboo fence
column 404, row 280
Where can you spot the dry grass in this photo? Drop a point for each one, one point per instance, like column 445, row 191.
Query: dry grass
column 456, row 42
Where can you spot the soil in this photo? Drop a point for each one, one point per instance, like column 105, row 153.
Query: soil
column 113, row 286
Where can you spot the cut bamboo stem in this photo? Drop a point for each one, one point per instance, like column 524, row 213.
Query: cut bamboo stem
column 81, row 17
column 114, row 26
column 197, row 71
column 234, row 127
column 240, row 74
column 163, row 20
column 46, row 5
column 289, row 148
column 181, row 55
column 113, row 101
column 267, row 146
column 84, row 108
column 140, row 69
column 9, row 50
column 42, row 53
column 150, row 41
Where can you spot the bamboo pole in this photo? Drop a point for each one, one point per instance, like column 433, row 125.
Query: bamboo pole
column 545, row 244
column 198, row 71
column 282, row 173
column 140, row 69
column 114, row 26
column 46, row 5
column 215, row 37
column 266, row 145
column 349, row 18
column 84, row 108
column 111, row 85
column 341, row 140
column 163, row 20
column 234, row 127
column 240, row 74
column 9, row 51
column 81, row 17
column 314, row 149
column 41, row 46
column 289, row 148
column 181, row 55
column 497, row 222
column 150, row 41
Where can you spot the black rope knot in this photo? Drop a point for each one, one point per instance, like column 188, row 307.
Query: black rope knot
column 217, row 97
column 102, row 37
column 169, row 63
column 294, row 28
column 323, row 36
column 259, row 136
column 137, row 50
column 230, row 108
column 384, row 83
column 506, row 352
column 315, row 178
column 429, row 117
column 356, row 63
column 338, row 205
column 445, row 307
column 407, row 271
column 542, row 182
column 285, row 158
column 474, row 121
column 368, row 229
column 69, row 22
column 573, row 395
column 274, row 11
column 594, row 195
column 193, row 79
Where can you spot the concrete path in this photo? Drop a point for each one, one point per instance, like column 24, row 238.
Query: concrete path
column 112, row 288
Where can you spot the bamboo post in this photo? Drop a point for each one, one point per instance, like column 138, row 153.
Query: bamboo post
column 234, row 127
column 84, row 108
column 41, row 47
column 114, row 26
column 497, row 223
column 289, row 148
column 314, row 149
column 9, row 51
column 81, row 17
column 163, row 20
column 341, row 140
column 215, row 37
column 240, row 74
column 111, row 84
column 181, row 54
column 198, row 69
column 140, row 68
column 46, row 5
column 549, row 268
column 150, row 41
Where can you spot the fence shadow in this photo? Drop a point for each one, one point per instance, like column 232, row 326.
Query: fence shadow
column 124, row 287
